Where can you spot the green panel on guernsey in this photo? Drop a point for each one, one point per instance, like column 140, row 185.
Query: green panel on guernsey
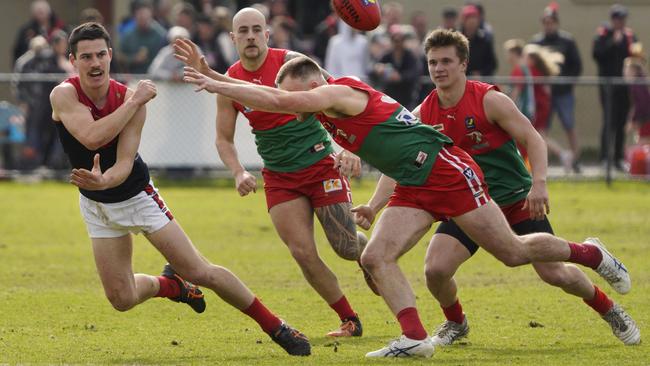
column 394, row 146
column 294, row 145
column 506, row 175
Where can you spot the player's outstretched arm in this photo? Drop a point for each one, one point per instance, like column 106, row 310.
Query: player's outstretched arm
column 500, row 109
column 79, row 121
column 268, row 99
column 127, row 147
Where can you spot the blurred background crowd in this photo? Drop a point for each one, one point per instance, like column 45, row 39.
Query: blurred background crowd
column 540, row 71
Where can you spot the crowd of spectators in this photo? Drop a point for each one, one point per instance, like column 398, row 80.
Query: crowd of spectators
column 390, row 57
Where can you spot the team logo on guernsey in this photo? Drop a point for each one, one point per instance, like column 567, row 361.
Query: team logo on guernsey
column 470, row 123
column 332, row 185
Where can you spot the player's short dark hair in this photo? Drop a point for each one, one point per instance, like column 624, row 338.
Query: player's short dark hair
column 445, row 38
column 88, row 32
column 298, row 68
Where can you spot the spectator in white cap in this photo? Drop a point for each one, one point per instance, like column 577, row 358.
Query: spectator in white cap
column 164, row 66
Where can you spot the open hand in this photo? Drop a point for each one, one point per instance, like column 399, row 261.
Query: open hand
column 537, row 202
column 90, row 180
column 188, row 52
column 364, row 216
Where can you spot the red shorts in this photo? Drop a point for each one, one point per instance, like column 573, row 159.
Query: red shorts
column 320, row 183
column 455, row 186
column 514, row 214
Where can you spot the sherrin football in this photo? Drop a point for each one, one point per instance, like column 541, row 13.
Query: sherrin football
column 363, row 15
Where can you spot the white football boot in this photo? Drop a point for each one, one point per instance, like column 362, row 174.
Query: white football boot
column 611, row 269
column 449, row 332
column 623, row 326
column 405, row 347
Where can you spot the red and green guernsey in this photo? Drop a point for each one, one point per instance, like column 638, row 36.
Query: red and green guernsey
column 284, row 144
column 387, row 136
column 489, row 145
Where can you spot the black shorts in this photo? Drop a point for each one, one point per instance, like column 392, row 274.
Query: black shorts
column 522, row 228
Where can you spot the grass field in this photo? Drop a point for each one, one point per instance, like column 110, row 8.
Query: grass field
column 52, row 307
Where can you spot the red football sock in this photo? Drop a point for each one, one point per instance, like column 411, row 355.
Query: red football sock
column 168, row 287
column 454, row 312
column 343, row 308
column 409, row 321
column 263, row 316
column 601, row 303
column 585, row 254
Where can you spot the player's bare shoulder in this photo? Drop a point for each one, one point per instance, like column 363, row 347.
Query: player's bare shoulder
column 60, row 97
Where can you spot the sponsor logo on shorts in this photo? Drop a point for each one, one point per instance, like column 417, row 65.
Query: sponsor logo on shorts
column 247, row 109
column 332, row 185
column 470, row 123
column 469, row 173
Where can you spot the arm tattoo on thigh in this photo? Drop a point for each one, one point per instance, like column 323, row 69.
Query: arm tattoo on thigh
column 340, row 229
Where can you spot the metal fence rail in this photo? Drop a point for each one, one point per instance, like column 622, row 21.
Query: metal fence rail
column 180, row 127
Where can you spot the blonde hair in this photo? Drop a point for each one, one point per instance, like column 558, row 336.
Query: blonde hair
column 544, row 59
column 514, row 45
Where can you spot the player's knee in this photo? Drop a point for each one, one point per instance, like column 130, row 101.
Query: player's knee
column 372, row 259
column 513, row 259
column 436, row 273
column 303, row 256
column 121, row 301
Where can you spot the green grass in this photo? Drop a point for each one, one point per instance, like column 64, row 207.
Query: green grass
column 52, row 307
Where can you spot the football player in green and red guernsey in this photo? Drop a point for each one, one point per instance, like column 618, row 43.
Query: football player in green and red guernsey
column 425, row 178
column 486, row 124
column 302, row 176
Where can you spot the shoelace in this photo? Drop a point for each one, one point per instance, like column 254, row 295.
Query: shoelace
column 444, row 329
column 192, row 290
column 296, row 334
